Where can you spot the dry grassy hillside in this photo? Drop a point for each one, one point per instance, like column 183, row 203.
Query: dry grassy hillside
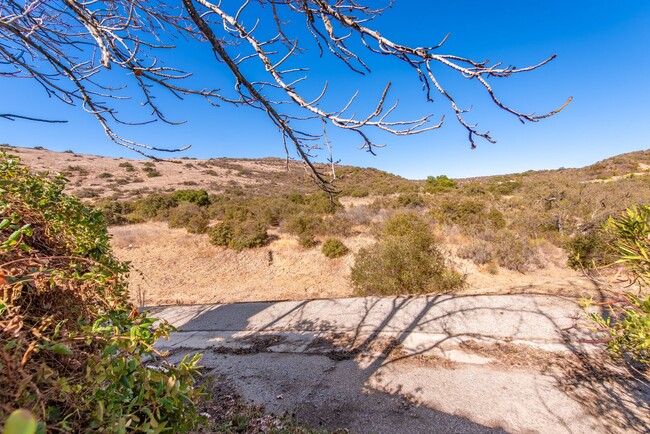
column 504, row 234
column 92, row 176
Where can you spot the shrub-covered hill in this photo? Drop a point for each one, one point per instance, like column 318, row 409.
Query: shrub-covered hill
column 506, row 221
column 93, row 177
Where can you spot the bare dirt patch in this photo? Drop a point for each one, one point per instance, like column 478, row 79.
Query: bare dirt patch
column 170, row 266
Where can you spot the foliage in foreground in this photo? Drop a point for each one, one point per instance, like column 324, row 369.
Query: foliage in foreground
column 405, row 260
column 72, row 349
column 628, row 319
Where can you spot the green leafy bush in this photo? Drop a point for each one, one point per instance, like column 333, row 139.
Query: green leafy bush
column 405, row 260
column 152, row 205
column 127, row 166
column 199, row 197
column 630, row 233
column 307, row 240
column 506, row 187
column 151, row 172
column 588, row 250
column 460, row 211
column 409, row 200
column 628, row 320
column 302, row 224
column 74, row 352
column 236, row 235
column 322, row 203
column 334, row 248
column 334, row 225
column 189, row 216
column 439, row 183
column 115, row 212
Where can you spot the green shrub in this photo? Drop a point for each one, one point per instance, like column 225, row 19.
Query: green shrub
column 460, row 212
column 587, row 250
column 234, row 235
column 405, row 260
column 76, row 169
column 307, row 240
column 151, row 172
column 199, row 197
column 409, row 200
column 115, row 212
column 335, row 225
column 297, row 198
column 408, row 225
column 189, row 216
column 334, row 248
column 505, row 188
column 302, row 223
column 496, row 219
column 87, row 193
column 439, row 184
column 630, row 233
column 322, row 203
column 628, row 321
column 127, row 166
column 78, row 356
column 356, row 192
column 150, row 206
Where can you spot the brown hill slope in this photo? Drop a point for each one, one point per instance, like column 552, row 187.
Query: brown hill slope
column 93, row 176
column 505, row 233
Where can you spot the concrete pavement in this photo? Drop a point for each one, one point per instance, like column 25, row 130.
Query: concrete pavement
column 448, row 363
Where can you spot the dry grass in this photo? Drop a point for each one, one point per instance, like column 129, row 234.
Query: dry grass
column 171, row 266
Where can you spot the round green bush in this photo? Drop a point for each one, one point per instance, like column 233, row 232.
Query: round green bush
column 198, row 197
column 405, row 260
column 334, row 248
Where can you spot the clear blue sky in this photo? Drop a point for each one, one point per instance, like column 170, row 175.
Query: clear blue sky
column 603, row 62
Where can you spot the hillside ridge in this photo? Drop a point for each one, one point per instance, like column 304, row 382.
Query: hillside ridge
column 93, row 176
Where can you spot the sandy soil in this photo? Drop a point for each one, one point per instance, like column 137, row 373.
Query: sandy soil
column 170, row 266
column 174, row 267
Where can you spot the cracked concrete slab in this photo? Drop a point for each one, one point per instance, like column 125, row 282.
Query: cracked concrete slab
column 437, row 364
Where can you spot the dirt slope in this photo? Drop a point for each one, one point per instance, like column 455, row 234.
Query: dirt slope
column 170, row 266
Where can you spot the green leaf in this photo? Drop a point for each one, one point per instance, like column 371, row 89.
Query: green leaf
column 20, row 422
column 13, row 237
column 110, row 350
column 124, row 381
column 61, row 349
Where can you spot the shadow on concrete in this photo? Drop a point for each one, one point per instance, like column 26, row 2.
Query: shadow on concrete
column 354, row 374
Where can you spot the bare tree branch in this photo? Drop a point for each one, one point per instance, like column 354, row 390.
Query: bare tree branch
column 67, row 45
